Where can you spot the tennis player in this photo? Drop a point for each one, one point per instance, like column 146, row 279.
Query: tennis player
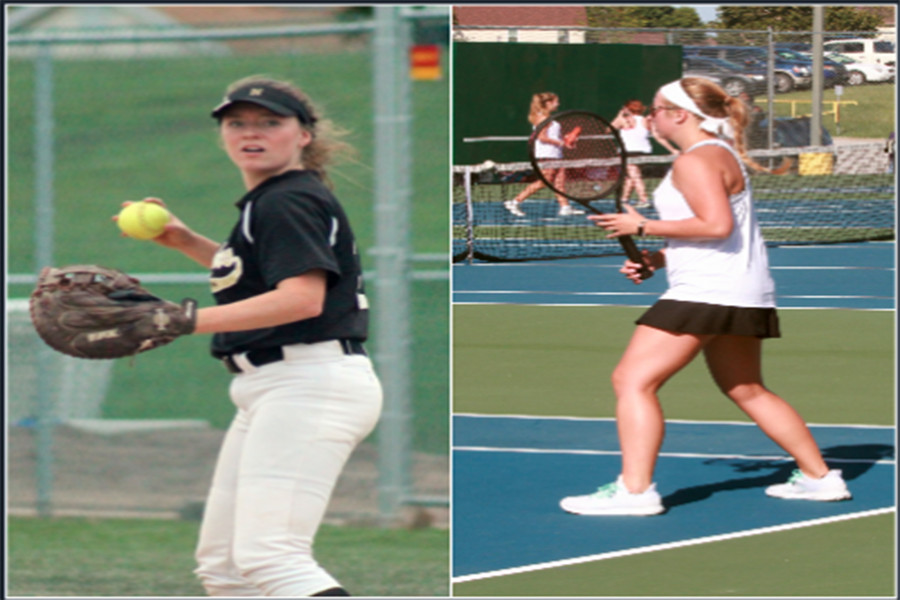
column 549, row 145
column 290, row 322
column 720, row 301
column 635, row 132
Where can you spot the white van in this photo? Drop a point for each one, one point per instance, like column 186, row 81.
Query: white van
column 864, row 50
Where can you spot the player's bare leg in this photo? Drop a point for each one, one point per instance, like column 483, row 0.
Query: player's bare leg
column 515, row 204
column 559, row 181
column 532, row 188
column 651, row 358
column 637, row 181
column 627, row 186
column 735, row 364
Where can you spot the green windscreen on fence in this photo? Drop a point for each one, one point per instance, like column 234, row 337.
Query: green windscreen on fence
column 493, row 85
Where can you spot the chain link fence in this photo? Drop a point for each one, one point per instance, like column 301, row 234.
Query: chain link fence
column 822, row 105
column 774, row 71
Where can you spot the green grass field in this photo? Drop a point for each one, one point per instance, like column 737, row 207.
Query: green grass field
column 833, row 366
column 129, row 558
column 125, row 130
column 873, row 115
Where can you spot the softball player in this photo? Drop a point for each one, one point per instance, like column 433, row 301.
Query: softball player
column 290, row 322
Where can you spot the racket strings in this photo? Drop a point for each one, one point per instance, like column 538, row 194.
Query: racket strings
column 590, row 165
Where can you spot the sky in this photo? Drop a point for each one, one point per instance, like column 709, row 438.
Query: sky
column 706, row 12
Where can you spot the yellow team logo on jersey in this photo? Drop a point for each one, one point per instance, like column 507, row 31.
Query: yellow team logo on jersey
column 226, row 269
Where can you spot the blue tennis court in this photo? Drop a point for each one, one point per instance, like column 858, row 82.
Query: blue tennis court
column 510, row 473
column 856, row 276
column 510, row 470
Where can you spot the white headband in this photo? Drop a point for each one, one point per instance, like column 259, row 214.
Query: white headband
column 674, row 93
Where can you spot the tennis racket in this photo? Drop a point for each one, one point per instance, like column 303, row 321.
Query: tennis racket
column 593, row 159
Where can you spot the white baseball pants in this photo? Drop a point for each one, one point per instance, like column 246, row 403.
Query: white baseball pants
column 298, row 420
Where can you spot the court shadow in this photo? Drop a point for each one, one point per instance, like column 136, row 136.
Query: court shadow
column 778, row 472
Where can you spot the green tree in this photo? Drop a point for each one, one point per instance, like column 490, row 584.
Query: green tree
column 642, row 16
column 667, row 16
column 848, row 18
column 612, row 16
column 796, row 18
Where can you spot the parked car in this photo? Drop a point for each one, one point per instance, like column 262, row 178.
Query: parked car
column 879, row 51
column 859, row 73
column 733, row 78
column 795, row 132
column 789, row 74
column 803, row 47
column 835, row 73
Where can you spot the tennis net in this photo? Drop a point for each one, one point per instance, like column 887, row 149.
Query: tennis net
column 831, row 194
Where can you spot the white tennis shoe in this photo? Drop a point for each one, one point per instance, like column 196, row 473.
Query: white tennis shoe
column 513, row 207
column 569, row 210
column 829, row 488
column 615, row 499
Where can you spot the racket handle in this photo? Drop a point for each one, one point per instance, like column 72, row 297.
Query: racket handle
column 631, row 250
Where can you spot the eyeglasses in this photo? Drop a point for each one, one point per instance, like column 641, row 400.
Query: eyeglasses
column 657, row 108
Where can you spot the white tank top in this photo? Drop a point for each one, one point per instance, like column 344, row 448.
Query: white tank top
column 729, row 272
column 544, row 150
column 637, row 138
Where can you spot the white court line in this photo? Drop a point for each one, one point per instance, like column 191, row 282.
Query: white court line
column 669, row 546
column 840, row 247
column 565, row 293
column 672, row 545
column 606, row 304
column 665, row 454
column 684, row 421
column 831, row 268
column 552, row 293
column 836, row 297
column 617, row 266
column 556, row 293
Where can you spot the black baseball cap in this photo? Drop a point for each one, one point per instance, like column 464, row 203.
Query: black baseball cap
column 261, row 94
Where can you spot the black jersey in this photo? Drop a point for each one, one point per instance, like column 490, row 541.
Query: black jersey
column 291, row 224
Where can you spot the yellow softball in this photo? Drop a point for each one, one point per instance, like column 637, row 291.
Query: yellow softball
column 143, row 220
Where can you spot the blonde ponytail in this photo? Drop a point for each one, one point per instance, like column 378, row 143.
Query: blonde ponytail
column 716, row 102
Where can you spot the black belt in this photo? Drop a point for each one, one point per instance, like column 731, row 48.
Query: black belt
column 264, row 356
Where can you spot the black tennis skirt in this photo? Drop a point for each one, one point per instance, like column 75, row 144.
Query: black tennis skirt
column 701, row 318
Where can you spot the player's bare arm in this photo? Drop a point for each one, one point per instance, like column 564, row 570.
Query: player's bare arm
column 198, row 248
column 294, row 299
column 705, row 191
column 543, row 137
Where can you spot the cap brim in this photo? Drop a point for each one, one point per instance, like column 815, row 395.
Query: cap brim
column 275, row 108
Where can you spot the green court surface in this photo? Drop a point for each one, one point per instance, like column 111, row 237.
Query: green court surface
column 834, row 366
column 851, row 559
